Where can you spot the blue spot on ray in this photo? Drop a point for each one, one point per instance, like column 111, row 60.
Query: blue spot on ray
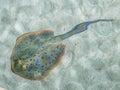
column 34, row 55
column 51, row 55
column 57, row 47
column 26, row 42
column 16, row 57
column 37, row 63
column 61, row 48
column 18, row 46
column 29, row 70
column 42, row 73
column 30, row 39
column 53, row 50
column 53, row 60
column 34, row 42
column 22, row 46
column 45, row 52
column 30, row 59
column 42, row 57
column 33, row 48
column 30, row 67
column 22, row 58
column 24, row 54
column 49, row 62
column 38, row 71
column 29, row 53
column 27, row 48
column 26, row 60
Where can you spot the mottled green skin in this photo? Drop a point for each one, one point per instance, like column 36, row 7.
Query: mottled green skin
column 33, row 57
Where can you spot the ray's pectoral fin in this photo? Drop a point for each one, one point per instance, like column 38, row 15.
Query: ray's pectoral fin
column 28, row 42
column 53, row 59
column 60, row 50
column 46, row 33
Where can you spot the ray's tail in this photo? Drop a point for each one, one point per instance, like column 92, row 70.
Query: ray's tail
column 79, row 28
column 84, row 26
column 100, row 20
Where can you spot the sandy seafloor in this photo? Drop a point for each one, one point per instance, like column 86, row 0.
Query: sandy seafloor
column 92, row 58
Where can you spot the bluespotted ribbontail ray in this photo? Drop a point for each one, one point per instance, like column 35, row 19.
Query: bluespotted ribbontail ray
column 35, row 54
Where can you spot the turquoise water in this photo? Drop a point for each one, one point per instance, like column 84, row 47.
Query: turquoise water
column 91, row 60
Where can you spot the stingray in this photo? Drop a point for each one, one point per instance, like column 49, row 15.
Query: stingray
column 35, row 54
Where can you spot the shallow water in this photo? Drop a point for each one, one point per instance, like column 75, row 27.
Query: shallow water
column 91, row 60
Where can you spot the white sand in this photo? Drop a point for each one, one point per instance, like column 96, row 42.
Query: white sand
column 92, row 58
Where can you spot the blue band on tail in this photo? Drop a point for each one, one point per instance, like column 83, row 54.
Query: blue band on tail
column 79, row 28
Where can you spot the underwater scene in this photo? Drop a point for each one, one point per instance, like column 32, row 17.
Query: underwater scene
column 59, row 45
